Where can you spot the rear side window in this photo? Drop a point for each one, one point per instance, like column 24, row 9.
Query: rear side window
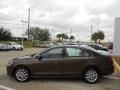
column 76, row 52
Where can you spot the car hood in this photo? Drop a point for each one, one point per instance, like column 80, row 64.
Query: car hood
column 27, row 57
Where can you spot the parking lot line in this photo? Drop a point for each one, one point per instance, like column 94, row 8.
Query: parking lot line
column 117, row 78
column 5, row 88
column 117, row 65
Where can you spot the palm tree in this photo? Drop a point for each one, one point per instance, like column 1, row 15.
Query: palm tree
column 63, row 35
column 66, row 37
column 71, row 38
column 94, row 37
column 98, row 36
column 59, row 36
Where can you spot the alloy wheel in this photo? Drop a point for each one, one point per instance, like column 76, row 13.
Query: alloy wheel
column 91, row 76
column 22, row 74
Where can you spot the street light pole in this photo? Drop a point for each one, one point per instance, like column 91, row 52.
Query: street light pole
column 22, row 39
column 28, row 23
column 24, row 22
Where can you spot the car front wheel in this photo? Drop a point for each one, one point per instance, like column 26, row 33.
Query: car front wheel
column 22, row 74
column 91, row 75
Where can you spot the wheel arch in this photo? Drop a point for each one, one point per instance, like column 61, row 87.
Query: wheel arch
column 20, row 66
column 93, row 66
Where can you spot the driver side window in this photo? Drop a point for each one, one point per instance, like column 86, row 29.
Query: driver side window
column 53, row 53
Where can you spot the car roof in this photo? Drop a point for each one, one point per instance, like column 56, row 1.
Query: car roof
column 76, row 46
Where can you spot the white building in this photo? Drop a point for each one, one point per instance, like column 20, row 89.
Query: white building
column 116, row 42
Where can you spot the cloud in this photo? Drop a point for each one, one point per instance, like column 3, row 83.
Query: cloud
column 62, row 15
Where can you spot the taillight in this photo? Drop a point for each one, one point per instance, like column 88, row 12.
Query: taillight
column 110, row 60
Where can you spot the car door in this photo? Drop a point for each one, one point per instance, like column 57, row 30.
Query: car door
column 75, row 61
column 49, row 62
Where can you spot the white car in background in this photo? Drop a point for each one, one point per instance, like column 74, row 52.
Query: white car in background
column 15, row 46
column 98, row 51
column 4, row 47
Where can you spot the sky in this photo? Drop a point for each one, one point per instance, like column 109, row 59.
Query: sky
column 60, row 16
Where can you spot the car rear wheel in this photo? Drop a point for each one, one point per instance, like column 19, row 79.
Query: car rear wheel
column 22, row 74
column 91, row 75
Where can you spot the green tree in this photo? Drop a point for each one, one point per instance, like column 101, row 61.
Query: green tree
column 37, row 33
column 101, row 36
column 59, row 36
column 5, row 34
column 98, row 36
column 66, row 37
column 94, row 37
column 63, row 36
column 72, row 38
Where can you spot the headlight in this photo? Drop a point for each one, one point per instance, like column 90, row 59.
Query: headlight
column 10, row 63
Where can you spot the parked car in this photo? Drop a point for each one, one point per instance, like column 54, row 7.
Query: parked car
column 53, row 44
column 4, row 47
column 62, row 61
column 15, row 46
column 42, row 45
column 98, row 47
column 110, row 46
column 98, row 51
column 45, row 45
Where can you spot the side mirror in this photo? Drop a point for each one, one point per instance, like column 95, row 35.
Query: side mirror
column 38, row 57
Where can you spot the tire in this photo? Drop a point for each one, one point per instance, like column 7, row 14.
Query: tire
column 22, row 74
column 14, row 48
column 21, row 49
column 91, row 75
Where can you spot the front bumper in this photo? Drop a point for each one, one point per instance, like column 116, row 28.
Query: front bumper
column 10, row 70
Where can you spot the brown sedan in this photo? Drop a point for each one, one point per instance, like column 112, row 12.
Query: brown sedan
column 62, row 61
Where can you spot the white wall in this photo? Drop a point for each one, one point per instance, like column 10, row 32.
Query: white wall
column 116, row 42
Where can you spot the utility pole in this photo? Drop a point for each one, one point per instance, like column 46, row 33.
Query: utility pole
column 91, row 32
column 98, row 32
column 24, row 22
column 28, row 23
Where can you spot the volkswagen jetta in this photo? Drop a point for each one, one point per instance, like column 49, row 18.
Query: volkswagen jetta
column 62, row 61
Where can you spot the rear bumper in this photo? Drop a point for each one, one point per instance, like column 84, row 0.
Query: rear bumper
column 107, row 70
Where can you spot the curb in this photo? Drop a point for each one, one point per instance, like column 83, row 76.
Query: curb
column 116, row 65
